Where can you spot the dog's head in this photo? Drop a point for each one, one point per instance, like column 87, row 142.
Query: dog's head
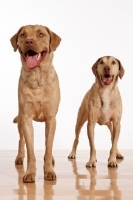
column 107, row 69
column 34, row 42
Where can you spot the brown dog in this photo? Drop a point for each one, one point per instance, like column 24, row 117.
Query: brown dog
column 38, row 94
column 102, row 104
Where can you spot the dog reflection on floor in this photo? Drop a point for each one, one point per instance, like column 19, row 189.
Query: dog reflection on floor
column 29, row 190
column 92, row 184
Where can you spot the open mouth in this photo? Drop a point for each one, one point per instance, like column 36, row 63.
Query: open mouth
column 33, row 59
column 107, row 79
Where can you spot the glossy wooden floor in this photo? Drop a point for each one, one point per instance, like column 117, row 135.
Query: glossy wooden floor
column 74, row 181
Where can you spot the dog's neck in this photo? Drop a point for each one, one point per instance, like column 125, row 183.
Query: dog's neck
column 102, row 95
column 110, row 87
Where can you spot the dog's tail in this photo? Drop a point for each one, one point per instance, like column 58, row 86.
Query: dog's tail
column 15, row 120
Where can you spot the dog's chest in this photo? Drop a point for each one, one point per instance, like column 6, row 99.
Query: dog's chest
column 40, row 103
column 107, row 106
column 105, row 112
column 42, row 107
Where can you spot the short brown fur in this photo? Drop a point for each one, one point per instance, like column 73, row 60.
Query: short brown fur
column 38, row 96
column 102, row 104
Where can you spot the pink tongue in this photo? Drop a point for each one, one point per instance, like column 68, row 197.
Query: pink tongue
column 107, row 80
column 31, row 61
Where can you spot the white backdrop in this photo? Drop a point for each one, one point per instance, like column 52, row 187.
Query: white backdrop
column 89, row 29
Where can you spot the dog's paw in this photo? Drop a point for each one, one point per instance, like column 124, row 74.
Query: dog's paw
column 112, row 163
column 119, row 156
column 50, row 176
column 91, row 164
column 29, row 178
column 19, row 161
column 71, row 156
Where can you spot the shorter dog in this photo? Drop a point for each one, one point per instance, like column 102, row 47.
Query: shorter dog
column 102, row 104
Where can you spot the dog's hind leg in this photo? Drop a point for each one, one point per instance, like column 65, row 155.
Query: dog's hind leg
column 118, row 154
column 81, row 119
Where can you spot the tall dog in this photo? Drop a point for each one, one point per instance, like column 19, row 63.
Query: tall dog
column 38, row 94
column 102, row 104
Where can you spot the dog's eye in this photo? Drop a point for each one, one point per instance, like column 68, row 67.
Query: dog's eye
column 41, row 34
column 101, row 62
column 22, row 35
column 113, row 62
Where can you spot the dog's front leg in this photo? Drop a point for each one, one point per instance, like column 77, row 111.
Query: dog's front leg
column 118, row 154
column 49, row 173
column 26, row 126
column 90, row 132
column 21, row 153
column 115, row 135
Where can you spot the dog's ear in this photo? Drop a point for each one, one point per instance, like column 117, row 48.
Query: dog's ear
column 14, row 40
column 121, row 70
column 94, row 67
column 54, row 40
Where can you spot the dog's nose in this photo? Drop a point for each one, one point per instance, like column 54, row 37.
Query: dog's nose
column 29, row 42
column 107, row 69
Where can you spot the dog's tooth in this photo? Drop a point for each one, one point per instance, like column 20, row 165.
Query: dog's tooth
column 39, row 55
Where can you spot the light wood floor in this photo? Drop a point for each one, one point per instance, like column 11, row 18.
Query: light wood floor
column 74, row 181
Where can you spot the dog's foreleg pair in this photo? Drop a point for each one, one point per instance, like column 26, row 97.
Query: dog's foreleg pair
column 27, row 136
column 114, row 128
